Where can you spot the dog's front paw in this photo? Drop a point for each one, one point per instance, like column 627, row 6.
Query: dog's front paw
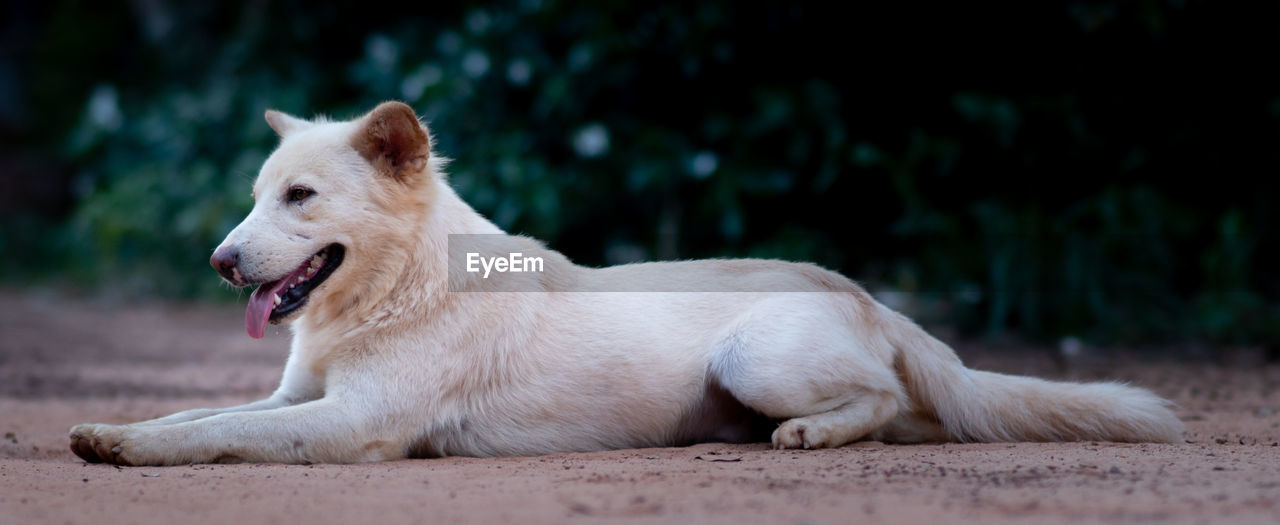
column 100, row 443
column 82, row 442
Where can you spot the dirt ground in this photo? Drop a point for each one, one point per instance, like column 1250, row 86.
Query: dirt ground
column 65, row 361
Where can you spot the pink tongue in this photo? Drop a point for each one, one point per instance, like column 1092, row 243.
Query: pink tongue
column 260, row 305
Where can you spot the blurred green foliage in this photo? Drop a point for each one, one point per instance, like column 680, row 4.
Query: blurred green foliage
column 1104, row 169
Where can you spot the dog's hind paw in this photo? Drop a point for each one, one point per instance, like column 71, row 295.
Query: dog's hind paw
column 796, row 433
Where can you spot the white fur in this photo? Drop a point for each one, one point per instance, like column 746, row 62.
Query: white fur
column 386, row 363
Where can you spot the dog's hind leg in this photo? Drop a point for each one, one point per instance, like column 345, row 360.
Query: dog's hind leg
column 861, row 413
column 799, row 358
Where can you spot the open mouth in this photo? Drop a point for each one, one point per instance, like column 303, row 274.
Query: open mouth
column 276, row 300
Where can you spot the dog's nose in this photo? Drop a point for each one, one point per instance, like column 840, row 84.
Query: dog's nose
column 224, row 261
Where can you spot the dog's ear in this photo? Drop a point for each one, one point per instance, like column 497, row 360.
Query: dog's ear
column 285, row 124
column 393, row 141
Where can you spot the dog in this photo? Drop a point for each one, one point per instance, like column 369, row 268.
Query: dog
column 355, row 239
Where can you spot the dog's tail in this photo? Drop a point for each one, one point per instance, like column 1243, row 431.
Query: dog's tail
column 973, row 405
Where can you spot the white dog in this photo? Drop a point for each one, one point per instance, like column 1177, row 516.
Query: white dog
column 397, row 352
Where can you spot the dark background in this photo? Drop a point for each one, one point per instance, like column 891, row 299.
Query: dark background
column 1104, row 170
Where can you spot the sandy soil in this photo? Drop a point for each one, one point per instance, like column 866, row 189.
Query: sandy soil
column 64, row 362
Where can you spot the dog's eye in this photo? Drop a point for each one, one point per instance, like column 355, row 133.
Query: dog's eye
column 298, row 194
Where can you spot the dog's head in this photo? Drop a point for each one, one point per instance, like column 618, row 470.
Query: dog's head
column 333, row 196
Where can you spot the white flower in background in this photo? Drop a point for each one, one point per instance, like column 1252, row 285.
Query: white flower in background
column 104, row 108
column 519, row 71
column 703, row 164
column 475, row 63
column 591, row 140
column 383, row 52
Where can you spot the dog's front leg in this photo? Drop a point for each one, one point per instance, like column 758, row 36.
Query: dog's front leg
column 270, row 403
column 326, row 430
column 82, row 446
column 299, row 384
